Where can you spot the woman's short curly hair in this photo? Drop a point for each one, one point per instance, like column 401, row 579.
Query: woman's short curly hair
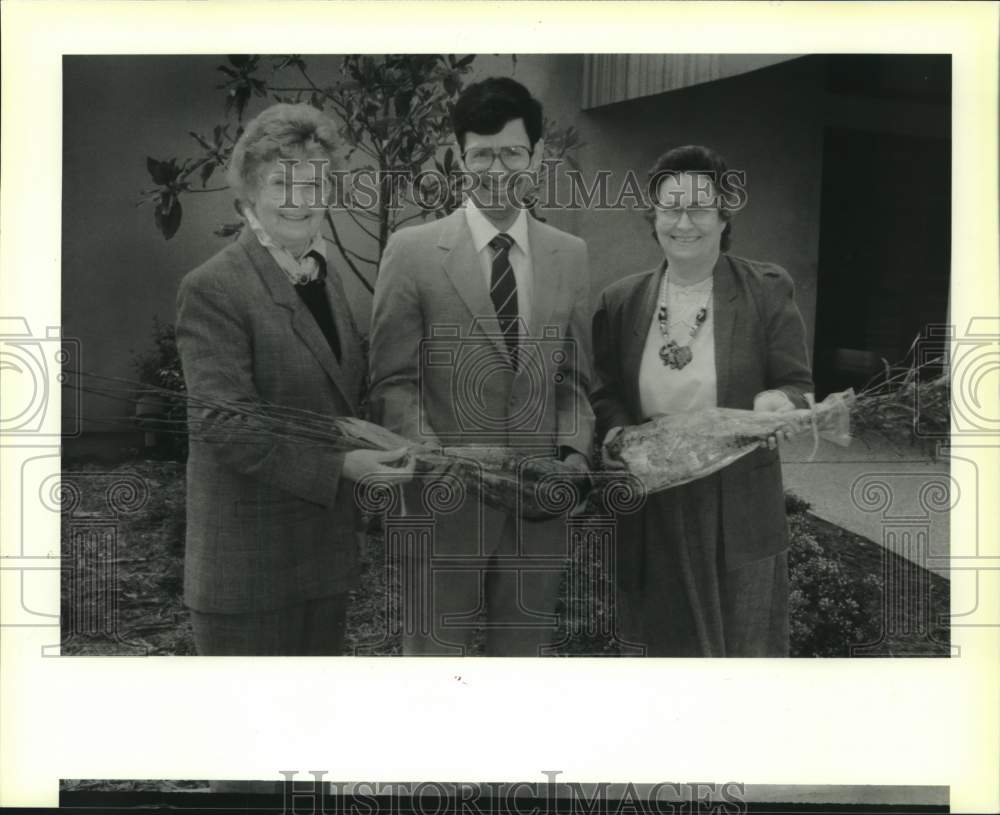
column 280, row 131
column 696, row 158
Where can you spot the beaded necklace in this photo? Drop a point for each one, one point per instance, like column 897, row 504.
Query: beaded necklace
column 672, row 354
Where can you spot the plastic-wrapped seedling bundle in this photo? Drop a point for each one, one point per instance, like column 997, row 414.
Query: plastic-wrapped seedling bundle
column 672, row 450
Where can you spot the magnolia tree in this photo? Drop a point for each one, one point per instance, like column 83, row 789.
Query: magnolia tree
column 394, row 118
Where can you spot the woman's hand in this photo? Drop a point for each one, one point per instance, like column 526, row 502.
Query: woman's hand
column 361, row 463
column 774, row 402
column 607, row 462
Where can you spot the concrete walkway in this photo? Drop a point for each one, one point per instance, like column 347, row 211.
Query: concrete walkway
column 889, row 495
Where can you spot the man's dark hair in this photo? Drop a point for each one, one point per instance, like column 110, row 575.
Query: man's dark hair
column 485, row 107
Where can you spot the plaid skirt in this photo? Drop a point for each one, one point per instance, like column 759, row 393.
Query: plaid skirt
column 675, row 597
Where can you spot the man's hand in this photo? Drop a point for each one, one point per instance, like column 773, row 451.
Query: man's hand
column 578, row 461
column 361, row 463
column 607, row 462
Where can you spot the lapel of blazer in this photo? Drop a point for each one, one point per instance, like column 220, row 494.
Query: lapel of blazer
column 548, row 272
column 724, row 295
column 303, row 323
column 636, row 317
column 351, row 359
column 462, row 266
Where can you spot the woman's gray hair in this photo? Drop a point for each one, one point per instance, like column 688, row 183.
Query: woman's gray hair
column 280, row 131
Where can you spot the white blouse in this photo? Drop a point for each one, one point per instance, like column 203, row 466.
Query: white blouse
column 669, row 390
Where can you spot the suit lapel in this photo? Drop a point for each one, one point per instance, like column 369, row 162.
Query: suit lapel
column 351, row 366
column 724, row 295
column 462, row 266
column 548, row 272
column 303, row 323
column 636, row 317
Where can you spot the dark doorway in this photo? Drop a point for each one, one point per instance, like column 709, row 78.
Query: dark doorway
column 884, row 255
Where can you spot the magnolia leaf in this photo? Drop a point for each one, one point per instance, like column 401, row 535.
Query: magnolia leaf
column 158, row 170
column 381, row 126
column 402, row 101
column 168, row 215
column 206, row 172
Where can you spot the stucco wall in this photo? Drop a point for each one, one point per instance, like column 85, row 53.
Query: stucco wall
column 766, row 123
column 118, row 271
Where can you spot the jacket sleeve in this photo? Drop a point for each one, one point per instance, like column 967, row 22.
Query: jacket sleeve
column 788, row 367
column 608, row 393
column 575, row 416
column 225, row 410
column 394, row 355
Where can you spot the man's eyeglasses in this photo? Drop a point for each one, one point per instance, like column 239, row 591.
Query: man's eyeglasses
column 700, row 216
column 478, row 159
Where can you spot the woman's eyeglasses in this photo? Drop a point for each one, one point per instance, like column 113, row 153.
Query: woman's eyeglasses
column 700, row 216
column 478, row 159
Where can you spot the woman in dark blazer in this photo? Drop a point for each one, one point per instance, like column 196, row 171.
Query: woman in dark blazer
column 271, row 549
column 702, row 569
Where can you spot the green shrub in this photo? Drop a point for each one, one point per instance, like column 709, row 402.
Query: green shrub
column 158, row 371
column 829, row 607
column 795, row 505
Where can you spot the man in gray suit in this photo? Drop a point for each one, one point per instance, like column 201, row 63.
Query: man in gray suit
column 480, row 336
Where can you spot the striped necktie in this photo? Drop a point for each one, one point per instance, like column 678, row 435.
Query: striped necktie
column 503, row 291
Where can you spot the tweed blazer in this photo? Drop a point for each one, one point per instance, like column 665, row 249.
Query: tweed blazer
column 759, row 345
column 269, row 522
column 439, row 370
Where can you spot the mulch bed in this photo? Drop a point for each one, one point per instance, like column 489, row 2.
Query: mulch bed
column 123, row 594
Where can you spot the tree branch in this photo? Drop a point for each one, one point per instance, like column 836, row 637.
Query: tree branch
column 360, row 225
column 419, row 215
column 344, row 253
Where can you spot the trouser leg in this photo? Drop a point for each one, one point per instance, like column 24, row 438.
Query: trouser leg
column 521, row 591
column 439, row 609
column 312, row 628
column 756, row 609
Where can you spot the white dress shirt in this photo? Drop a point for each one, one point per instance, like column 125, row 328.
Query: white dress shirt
column 483, row 231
